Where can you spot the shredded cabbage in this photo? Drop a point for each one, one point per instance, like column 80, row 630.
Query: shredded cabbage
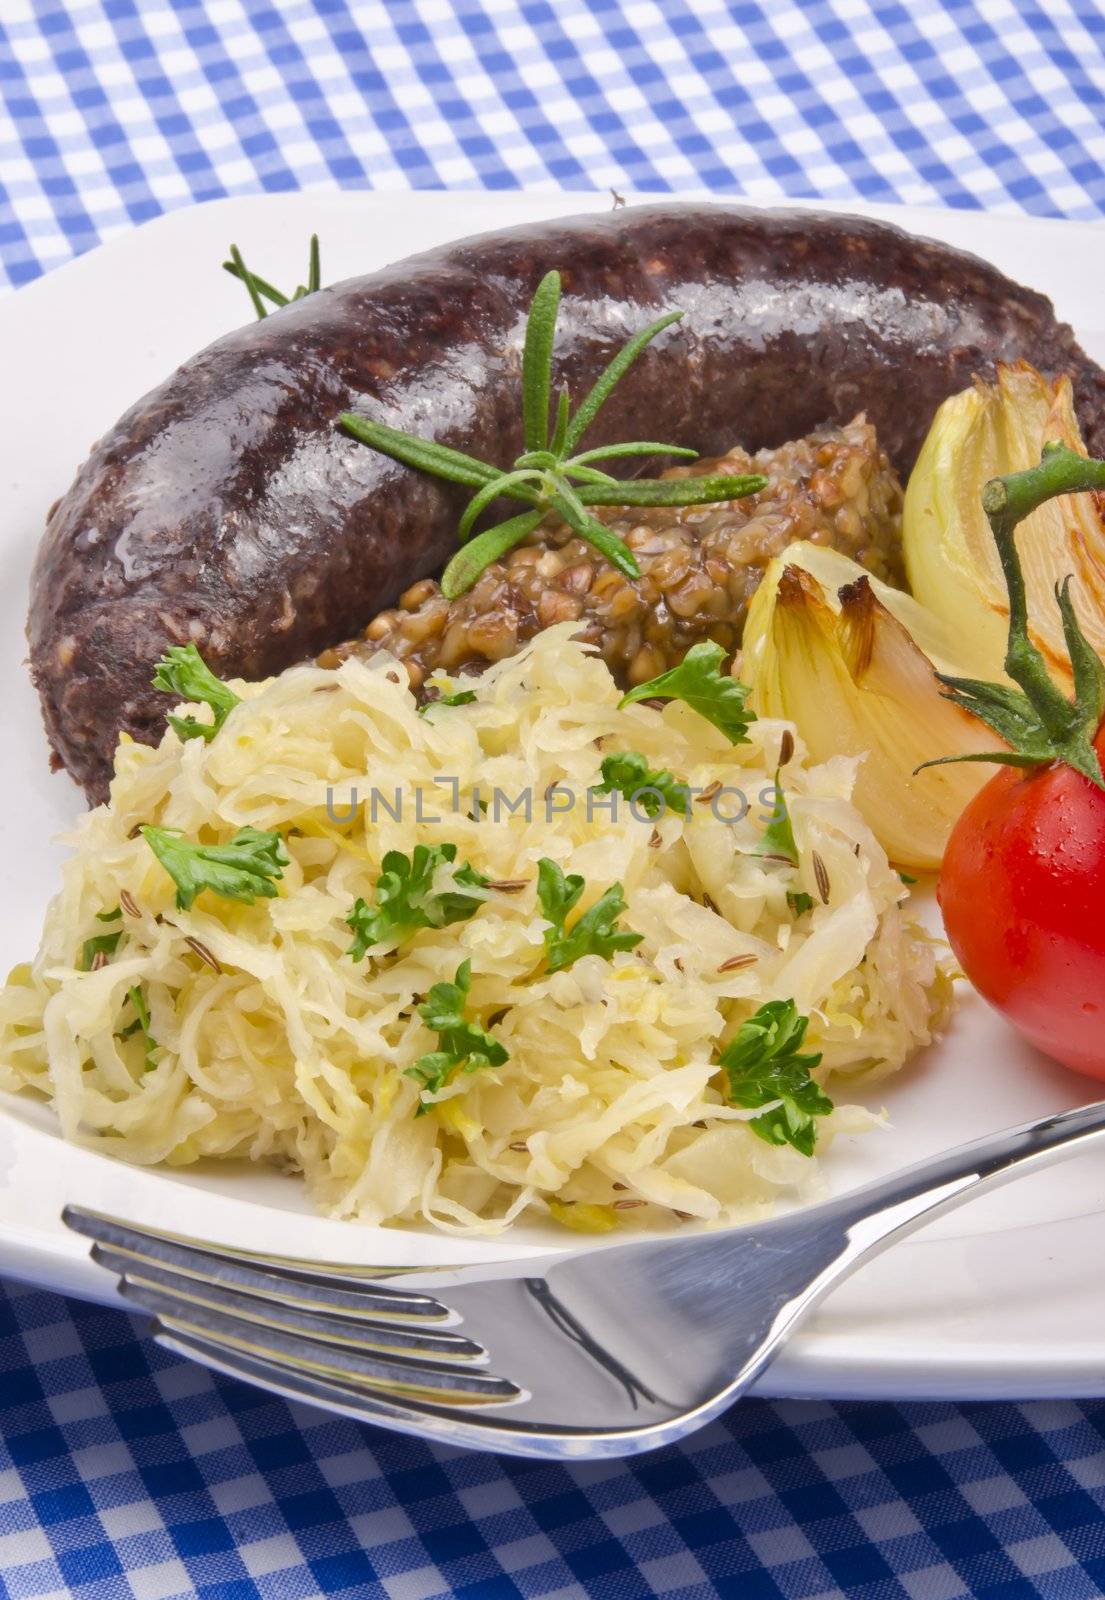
column 271, row 1043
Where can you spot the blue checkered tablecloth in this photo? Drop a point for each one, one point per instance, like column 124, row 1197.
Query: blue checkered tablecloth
column 128, row 1475
column 124, row 1472
column 120, row 109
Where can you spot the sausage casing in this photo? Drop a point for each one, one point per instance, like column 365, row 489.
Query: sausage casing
column 228, row 507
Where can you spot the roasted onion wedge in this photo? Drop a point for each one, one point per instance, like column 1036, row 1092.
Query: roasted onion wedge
column 853, row 663
column 950, row 554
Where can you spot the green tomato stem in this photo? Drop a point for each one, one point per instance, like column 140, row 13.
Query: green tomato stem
column 1037, row 720
column 1008, row 501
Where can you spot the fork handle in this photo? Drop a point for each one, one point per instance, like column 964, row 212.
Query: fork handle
column 718, row 1307
column 816, row 1249
column 890, row 1208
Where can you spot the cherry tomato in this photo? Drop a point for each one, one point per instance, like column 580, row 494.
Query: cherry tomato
column 1022, row 890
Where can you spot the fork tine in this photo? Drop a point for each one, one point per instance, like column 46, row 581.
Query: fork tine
column 94, row 1224
column 361, row 1333
column 446, row 1383
column 316, row 1293
column 424, row 1420
column 504, row 1430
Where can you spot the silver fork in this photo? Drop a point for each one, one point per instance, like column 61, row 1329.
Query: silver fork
column 610, row 1352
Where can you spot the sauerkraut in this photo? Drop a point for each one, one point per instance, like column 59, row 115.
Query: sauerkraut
column 256, row 1034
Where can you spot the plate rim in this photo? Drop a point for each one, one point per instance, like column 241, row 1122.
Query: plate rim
column 822, row 1360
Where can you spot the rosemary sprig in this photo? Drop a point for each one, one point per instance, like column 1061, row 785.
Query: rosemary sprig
column 551, row 474
column 260, row 290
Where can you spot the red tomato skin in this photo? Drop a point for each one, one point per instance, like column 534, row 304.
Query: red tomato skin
column 1022, row 890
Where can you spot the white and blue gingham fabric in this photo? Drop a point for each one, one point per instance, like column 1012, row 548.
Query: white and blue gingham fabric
column 125, row 1472
column 120, row 109
column 128, row 1475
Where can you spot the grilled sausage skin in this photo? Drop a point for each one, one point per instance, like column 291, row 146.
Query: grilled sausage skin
column 228, row 507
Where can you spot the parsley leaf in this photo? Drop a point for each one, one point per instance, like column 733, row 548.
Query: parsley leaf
column 628, row 773
column 595, row 932
column 141, row 1024
column 778, row 841
column 799, row 901
column 182, row 671
column 700, row 682
column 463, row 1046
column 405, row 900
column 239, row 870
column 556, row 893
column 455, row 697
column 101, row 943
column 763, row 1065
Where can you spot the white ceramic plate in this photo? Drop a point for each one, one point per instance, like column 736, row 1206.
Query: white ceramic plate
column 1003, row 1298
